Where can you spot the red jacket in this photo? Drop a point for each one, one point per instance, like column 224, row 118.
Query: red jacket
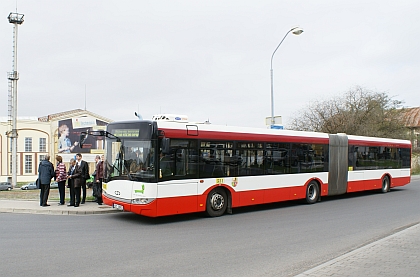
column 60, row 172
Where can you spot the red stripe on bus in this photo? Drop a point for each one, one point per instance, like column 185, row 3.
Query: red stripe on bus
column 378, row 143
column 176, row 133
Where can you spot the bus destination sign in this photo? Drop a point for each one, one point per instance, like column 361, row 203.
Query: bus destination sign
column 127, row 133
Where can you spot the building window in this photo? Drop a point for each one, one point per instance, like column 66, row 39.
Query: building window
column 28, row 144
column 41, row 157
column 28, row 164
column 42, row 145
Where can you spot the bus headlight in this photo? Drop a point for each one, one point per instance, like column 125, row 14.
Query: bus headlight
column 142, row 201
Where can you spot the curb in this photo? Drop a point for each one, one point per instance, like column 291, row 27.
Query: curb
column 313, row 271
column 32, row 207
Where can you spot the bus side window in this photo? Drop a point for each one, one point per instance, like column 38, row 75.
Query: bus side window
column 165, row 165
column 186, row 162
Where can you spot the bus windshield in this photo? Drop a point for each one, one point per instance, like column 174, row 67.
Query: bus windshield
column 131, row 156
column 133, row 160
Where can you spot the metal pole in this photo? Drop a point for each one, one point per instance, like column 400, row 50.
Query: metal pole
column 272, row 98
column 272, row 86
column 296, row 31
column 15, row 19
column 14, row 119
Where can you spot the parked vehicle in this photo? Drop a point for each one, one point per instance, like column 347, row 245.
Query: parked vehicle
column 29, row 186
column 6, row 186
column 89, row 182
column 54, row 185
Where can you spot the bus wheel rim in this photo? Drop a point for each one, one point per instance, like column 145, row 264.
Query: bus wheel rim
column 311, row 192
column 217, row 201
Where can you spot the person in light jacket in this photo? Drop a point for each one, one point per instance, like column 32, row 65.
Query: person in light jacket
column 61, row 177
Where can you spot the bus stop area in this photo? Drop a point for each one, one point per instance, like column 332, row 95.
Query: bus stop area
column 33, row 207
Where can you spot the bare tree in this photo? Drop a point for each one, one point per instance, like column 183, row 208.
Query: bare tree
column 358, row 112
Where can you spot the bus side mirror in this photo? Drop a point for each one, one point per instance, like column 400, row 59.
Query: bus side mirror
column 82, row 139
column 165, row 145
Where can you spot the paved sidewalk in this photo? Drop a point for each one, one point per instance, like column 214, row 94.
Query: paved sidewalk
column 395, row 255
column 33, row 207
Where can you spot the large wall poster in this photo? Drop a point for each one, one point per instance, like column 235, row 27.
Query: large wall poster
column 69, row 134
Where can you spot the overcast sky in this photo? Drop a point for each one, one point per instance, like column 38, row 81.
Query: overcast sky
column 206, row 59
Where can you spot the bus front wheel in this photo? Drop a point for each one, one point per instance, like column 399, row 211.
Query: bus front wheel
column 385, row 184
column 312, row 192
column 216, row 202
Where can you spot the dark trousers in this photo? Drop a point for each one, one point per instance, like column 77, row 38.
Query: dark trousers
column 99, row 191
column 77, row 196
column 71, row 187
column 62, row 191
column 84, row 192
column 43, row 195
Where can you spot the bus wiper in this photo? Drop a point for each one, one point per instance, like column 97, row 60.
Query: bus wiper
column 84, row 136
column 130, row 177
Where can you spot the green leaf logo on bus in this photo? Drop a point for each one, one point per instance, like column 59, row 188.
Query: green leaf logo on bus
column 139, row 190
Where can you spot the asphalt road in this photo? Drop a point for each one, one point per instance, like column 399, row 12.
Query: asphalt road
column 270, row 240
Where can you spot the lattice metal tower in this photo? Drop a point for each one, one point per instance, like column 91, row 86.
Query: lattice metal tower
column 13, row 76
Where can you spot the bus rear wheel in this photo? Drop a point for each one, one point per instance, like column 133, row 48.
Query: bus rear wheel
column 312, row 192
column 216, row 202
column 385, row 184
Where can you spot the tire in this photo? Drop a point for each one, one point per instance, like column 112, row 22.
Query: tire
column 9, row 189
column 216, row 202
column 385, row 184
column 312, row 192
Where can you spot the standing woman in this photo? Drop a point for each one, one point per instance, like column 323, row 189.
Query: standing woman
column 61, row 177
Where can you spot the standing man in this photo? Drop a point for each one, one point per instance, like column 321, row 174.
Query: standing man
column 70, row 182
column 98, row 179
column 45, row 173
column 85, row 174
column 79, row 179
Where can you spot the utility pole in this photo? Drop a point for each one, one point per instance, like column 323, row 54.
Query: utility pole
column 13, row 76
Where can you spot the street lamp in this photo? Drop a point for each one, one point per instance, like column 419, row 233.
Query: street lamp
column 296, row 31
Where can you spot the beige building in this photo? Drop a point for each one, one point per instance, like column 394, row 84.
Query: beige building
column 412, row 122
column 55, row 134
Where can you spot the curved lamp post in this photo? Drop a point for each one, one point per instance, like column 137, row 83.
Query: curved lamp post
column 296, row 31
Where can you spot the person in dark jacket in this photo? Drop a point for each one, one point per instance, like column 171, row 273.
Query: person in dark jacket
column 98, row 179
column 70, row 182
column 45, row 174
column 85, row 175
column 79, row 178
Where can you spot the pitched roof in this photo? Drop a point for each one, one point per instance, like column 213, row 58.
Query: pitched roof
column 71, row 113
column 412, row 117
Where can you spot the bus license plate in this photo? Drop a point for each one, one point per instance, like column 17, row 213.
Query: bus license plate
column 118, row 207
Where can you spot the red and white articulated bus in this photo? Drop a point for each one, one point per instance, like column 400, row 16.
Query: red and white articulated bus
column 168, row 166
